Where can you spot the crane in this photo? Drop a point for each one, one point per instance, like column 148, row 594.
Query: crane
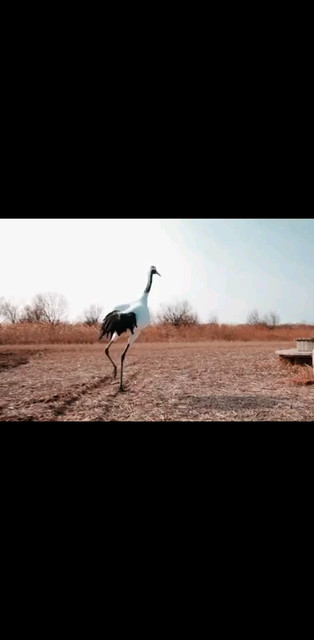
column 130, row 317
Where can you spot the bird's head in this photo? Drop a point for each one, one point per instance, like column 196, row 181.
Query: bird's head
column 154, row 270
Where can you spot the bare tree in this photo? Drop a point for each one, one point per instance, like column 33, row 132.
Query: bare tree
column 213, row 319
column 178, row 314
column 272, row 319
column 9, row 310
column 254, row 318
column 33, row 312
column 269, row 320
column 92, row 315
column 50, row 307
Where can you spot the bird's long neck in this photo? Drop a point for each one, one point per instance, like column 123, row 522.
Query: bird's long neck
column 149, row 283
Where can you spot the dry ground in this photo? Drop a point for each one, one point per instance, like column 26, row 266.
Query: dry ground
column 175, row 381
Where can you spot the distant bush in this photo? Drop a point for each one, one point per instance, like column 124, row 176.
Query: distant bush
column 9, row 311
column 272, row 319
column 33, row 312
column 213, row 319
column 52, row 307
column 45, row 307
column 269, row 320
column 92, row 315
column 177, row 314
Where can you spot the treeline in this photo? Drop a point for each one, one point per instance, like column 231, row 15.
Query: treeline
column 51, row 309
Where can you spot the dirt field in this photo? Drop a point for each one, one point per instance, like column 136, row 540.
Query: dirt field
column 177, row 381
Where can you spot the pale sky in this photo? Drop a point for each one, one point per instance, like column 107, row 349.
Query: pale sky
column 226, row 267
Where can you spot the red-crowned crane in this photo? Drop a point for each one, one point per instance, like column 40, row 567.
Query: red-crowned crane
column 132, row 318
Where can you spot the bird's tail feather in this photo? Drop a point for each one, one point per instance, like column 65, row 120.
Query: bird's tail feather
column 106, row 326
column 117, row 322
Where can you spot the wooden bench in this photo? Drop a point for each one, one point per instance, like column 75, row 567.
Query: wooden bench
column 304, row 352
column 296, row 356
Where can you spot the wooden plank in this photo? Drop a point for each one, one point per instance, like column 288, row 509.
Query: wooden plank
column 295, row 356
column 292, row 353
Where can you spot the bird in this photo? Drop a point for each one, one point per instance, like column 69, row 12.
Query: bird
column 130, row 317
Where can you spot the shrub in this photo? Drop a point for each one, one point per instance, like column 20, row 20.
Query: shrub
column 177, row 314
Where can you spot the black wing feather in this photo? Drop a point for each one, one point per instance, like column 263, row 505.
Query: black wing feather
column 119, row 322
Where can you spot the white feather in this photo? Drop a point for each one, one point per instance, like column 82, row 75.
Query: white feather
column 140, row 308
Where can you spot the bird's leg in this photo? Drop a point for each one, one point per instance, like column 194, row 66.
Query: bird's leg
column 122, row 360
column 107, row 354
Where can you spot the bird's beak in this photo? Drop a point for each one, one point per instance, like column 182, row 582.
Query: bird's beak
column 158, row 274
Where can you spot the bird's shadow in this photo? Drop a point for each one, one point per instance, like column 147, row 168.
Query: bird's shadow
column 229, row 402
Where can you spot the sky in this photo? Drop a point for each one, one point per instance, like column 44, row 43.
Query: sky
column 223, row 267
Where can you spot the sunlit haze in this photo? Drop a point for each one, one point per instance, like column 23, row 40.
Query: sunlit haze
column 223, row 267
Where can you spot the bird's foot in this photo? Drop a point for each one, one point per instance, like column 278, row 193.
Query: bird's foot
column 121, row 388
column 115, row 373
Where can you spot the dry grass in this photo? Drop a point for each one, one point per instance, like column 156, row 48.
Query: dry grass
column 242, row 332
column 304, row 375
column 43, row 333
column 197, row 381
column 37, row 333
